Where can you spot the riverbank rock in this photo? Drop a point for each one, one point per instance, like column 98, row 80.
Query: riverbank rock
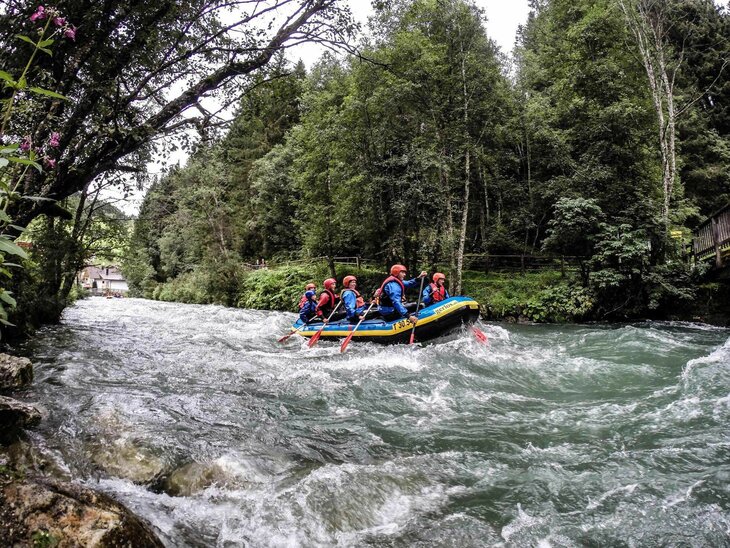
column 15, row 372
column 44, row 512
column 15, row 415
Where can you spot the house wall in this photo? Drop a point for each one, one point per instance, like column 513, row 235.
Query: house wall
column 118, row 285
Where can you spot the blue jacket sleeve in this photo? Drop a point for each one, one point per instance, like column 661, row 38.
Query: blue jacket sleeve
column 409, row 284
column 426, row 297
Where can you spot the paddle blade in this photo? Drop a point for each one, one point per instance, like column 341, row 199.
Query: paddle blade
column 315, row 338
column 413, row 336
column 480, row 335
column 346, row 342
column 285, row 337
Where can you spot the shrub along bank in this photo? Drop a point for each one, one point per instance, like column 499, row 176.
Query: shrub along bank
column 545, row 296
column 532, row 296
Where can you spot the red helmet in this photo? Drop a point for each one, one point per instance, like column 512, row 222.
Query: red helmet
column 397, row 269
column 438, row 276
column 329, row 283
column 310, row 286
column 348, row 279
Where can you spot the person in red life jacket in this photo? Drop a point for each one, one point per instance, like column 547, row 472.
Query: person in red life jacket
column 308, row 303
column 327, row 299
column 435, row 292
column 392, row 292
column 352, row 300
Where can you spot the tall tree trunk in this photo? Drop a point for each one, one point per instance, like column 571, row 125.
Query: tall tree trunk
column 462, row 232
column 448, row 219
column 646, row 19
column 467, row 172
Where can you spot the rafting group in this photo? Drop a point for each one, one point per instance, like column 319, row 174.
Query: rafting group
column 388, row 317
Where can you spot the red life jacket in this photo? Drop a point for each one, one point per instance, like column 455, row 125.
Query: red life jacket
column 329, row 306
column 438, row 294
column 383, row 298
column 303, row 301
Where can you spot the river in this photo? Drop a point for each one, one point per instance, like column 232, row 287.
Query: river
column 579, row 435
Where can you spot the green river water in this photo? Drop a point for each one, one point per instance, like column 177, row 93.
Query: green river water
column 197, row 420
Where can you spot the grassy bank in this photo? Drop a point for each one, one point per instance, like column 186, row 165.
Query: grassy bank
column 531, row 296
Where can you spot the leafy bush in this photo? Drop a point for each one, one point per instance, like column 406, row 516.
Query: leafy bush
column 503, row 294
column 186, row 288
column 280, row 288
column 562, row 303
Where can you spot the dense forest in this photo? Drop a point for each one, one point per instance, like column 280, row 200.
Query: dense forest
column 604, row 139
column 601, row 141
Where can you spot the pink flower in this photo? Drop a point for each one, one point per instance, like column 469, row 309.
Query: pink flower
column 50, row 162
column 70, row 32
column 59, row 21
column 25, row 144
column 39, row 14
column 55, row 137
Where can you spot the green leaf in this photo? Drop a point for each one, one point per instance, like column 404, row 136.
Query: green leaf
column 6, row 322
column 6, row 298
column 46, row 50
column 38, row 199
column 48, row 93
column 46, row 43
column 12, row 265
column 9, row 149
column 26, row 162
column 6, row 246
column 25, row 39
column 8, row 78
column 4, row 216
column 4, row 162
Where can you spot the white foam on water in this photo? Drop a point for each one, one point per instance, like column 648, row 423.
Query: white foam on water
column 623, row 490
column 675, row 499
column 675, row 412
column 720, row 355
column 437, row 406
column 522, row 522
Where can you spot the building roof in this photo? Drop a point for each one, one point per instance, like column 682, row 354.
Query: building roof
column 111, row 273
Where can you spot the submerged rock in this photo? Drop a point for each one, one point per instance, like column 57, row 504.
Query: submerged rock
column 124, row 459
column 15, row 415
column 48, row 512
column 193, row 478
column 117, row 451
column 15, row 372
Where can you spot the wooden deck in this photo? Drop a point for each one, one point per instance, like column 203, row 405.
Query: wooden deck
column 712, row 239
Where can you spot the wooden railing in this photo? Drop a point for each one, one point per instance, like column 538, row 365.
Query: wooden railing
column 712, row 238
column 491, row 262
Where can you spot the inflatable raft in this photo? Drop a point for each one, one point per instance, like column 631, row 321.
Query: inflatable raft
column 433, row 321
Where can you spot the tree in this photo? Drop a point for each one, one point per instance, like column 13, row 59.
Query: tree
column 137, row 72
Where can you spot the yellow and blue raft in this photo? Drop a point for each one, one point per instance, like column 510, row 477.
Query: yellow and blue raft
column 433, row 321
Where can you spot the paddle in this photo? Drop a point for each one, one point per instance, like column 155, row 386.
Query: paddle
column 318, row 334
column 480, row 335
column 285, row 337
column 349, row 337
column 418, row 305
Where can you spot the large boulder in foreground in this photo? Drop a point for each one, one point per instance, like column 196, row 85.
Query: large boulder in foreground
column 15, row 415
column 49, row 512
column 15, row 372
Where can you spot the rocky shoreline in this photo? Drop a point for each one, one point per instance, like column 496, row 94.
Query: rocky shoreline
column 40, row 505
